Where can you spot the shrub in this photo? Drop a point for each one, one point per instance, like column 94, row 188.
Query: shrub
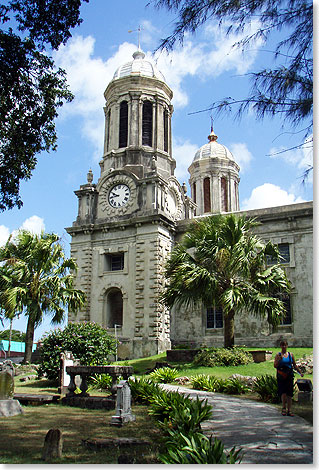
column 164, row 375
column 266, row 387
column 205, row 382
column 211, row 357
column 162, row 403
column 233, row 386
column 210, row 383
column 143, row 389
column 101, row 381
column 197, row 449
column 90, row 343
column 186, row 417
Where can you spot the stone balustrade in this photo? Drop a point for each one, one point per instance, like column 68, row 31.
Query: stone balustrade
column 86, row 371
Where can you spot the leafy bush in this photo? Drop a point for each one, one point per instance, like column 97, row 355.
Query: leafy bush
column 233, row 386
column 101, row 381
column 266, row 387
column 197, row 449
column 186, row 419
column 209, row 383
column 210, row 357
column 164, row 375
column 162, row 403
column 90, row 343
column 143, row 390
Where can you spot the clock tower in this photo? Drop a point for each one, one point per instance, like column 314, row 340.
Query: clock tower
column 126, row 222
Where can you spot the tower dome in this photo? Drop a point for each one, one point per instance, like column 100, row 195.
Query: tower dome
column 138, row 114
column 138, row 66
column 214, row 178
column 213, row 149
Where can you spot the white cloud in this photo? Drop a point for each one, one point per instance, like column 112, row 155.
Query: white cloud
column 269, row 195
column 33, row 224
column 183, row 154
column 4, row 234
column 88, row 75
column 226, row 56
column 302, row 158
column 241, row 155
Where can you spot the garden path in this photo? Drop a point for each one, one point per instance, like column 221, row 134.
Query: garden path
column 265, row 436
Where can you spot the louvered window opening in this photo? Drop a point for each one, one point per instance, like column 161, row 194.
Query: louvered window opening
column 123, row 132
column 165, row 114
column 147, row 124
column 207, row 203
column 108, row 130
column 224, row 195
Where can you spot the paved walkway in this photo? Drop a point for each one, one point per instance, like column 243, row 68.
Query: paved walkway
column 265, row 436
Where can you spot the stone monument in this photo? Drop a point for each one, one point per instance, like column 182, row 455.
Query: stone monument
column 53, row 444
column 66, row 359
column 8, row 406
column 123, row 405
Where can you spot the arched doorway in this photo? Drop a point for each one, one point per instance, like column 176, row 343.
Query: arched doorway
column 114, row 308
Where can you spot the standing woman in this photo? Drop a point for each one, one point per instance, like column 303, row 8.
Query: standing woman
column 285, row 363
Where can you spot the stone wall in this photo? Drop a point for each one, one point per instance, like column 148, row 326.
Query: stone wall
column 291, row 224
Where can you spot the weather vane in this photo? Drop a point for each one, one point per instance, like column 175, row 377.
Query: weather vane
column 138, row 30
column 211, row 123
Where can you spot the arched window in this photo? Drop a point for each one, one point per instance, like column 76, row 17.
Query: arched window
column 194, row 192
column 114, row 308
column 147, row 124
column 123, row 131
column 224, row 195
column 207, row 202
column 165, row 116
column 108, row 130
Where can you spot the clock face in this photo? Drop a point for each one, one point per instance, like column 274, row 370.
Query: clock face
column 119, row 195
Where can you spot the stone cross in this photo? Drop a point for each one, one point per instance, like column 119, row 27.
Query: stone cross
column 123, row 405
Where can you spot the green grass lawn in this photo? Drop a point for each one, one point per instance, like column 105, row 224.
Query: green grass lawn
column 141, row 366
column 23, row 435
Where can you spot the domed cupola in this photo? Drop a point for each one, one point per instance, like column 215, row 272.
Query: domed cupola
column 213, row 149
column 139, row 66
column 138, row 114
column 214, row 178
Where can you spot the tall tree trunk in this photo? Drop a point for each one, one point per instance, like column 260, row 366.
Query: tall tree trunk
column 10, row 336
column 29, row 340
column 229, row 330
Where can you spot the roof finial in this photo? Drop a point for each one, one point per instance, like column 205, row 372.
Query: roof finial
column 212, row 136
column 138, row 30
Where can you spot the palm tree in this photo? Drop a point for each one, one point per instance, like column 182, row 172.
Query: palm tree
column 35, row 279
column 219, row 262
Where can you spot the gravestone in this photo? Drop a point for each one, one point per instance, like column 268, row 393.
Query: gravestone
column 53, row 443
column 123, row 405
column 305, row 393
column 66, row 359
column 8, row 406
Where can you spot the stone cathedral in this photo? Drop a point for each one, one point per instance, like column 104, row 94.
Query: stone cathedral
column 129, row 220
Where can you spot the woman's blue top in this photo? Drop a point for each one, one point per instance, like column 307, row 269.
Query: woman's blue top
column 286, row 361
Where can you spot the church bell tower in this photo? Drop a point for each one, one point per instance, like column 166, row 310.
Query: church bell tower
column 126, row 222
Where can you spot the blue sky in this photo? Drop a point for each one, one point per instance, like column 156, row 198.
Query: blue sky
column 205, row 70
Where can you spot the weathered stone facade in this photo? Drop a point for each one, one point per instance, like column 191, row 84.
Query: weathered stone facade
column 290, row 225
column 129, row 220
